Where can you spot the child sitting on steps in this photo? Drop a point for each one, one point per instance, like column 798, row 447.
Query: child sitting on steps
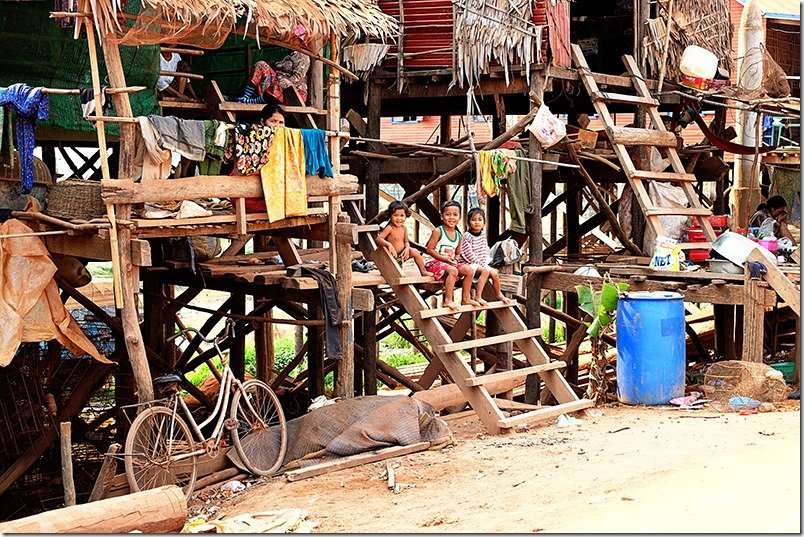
column 394, row 237
column 445, row 249
column 475, row 253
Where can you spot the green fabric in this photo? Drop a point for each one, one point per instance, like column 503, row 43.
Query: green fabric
column 37, row 51
column 519, row 197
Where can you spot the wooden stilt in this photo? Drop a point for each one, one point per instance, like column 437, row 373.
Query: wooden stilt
column 67, row 463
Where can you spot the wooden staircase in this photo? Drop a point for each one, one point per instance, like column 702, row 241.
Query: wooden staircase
column 445, row 346
column 624, row 137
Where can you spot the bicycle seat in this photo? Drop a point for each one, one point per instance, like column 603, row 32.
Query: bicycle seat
column 167, row 379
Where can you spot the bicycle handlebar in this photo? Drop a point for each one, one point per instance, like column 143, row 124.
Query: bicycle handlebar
column 229, row 327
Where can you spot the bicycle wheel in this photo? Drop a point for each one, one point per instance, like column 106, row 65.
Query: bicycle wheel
column 260, row 437
column 156, row 439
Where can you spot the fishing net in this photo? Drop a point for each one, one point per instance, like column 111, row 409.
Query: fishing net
column 153, row 25
column 730, row 378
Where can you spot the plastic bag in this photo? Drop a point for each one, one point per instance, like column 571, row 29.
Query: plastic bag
column 666, row 255
column 547, row 128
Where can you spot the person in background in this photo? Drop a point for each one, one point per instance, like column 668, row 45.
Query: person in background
column 272, row 115
column 776, row 208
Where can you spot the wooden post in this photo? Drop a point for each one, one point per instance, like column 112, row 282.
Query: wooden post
column 372, row 189
column 371, row 351
column 67, row 463
column 106, row 474
column 345, row 367
column 129, row 274
column 237, row 350
column 264, row 351
column 533, row 229
column 316, row 76
column 333, row 123
column 753, row 320
column 315, row 354
column 571, row 299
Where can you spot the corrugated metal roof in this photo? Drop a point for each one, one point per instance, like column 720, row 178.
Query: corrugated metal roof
column 778, row 9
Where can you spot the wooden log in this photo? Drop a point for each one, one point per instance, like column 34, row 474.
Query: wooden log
column 227, row 474
column 345, row 369
column 355, row 460
column 449, row 395
column 106, row 474
column 753, row 322
column 67, row 463
column 158, row 510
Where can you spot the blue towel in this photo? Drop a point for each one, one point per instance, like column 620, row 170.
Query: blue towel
column 316, row 158
column 31, row 104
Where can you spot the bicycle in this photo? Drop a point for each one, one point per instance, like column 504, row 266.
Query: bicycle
column 160, row 448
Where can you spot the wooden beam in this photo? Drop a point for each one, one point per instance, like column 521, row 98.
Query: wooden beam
column 106, row 474
column 355, row 460
column 513, row 373
column 780, row 283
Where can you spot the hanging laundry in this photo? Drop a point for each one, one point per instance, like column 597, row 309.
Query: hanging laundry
column 184, row 136
column 265, row 80
column 87, row 98
column 150, row 160
column 502, row 165
column 486, row 185
column 215, row 138
column 316, row 156
column 248, row 147
column 519, row 197
column 31, row 104
column 284, row 184
column 333, row 311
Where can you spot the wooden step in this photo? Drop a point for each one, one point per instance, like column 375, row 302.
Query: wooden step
column 625, row 99
column 677, row 211
column 367, row 228
column 544, row 413
column 440, row 312
column 413, row 280
column 663, row 176
column 483, row 342
column 514, row 373
column 630, row 136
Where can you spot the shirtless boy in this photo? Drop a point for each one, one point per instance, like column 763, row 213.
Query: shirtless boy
column 394, row 237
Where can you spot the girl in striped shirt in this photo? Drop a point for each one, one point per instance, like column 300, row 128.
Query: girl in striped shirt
column 475, row 253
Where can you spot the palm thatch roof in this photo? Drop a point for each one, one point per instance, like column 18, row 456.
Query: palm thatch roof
column 206, row 23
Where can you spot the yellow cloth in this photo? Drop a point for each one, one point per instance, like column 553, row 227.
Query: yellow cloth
column 284, row 183
column 486, row 176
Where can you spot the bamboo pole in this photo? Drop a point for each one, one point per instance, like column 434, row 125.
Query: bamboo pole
column 67, row 463
column 666, row 49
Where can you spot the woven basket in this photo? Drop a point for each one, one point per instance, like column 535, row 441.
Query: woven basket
column 75, row 199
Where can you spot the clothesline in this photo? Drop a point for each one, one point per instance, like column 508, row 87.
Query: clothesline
column 457, row 151
column 109, row 91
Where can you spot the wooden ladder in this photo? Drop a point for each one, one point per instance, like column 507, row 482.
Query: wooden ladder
column 623, row 137
column 445, row 346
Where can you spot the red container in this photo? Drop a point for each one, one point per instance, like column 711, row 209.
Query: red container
column 696, row 234
column 697, row 256
column 719, row 220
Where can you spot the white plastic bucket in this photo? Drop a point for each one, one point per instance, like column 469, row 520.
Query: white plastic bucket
column 698, row 67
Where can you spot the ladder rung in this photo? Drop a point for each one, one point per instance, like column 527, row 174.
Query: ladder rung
column 343, row 197
column 493, row 340
column 635, row 136
column 626, row 99
column 438, row 312
column 544, row 413
column 664, row 176
column 677, row 211
column 514, row 373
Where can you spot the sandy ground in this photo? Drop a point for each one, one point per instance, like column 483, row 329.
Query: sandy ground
column 629, row 469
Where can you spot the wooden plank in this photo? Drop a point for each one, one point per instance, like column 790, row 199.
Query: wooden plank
column 780, row 283
column 624, row 99
column 545, row 413
column 106, row 474
column 287, row 251
column 355, row 460
column 631, row 136
column 219, row 219
column 513, row 373
column 678, row 211
column 239, row 206
column 669, row 177
column 209, row 186
column 185, row 105
column 439, row 312
column 362, row 299
column 230, row 106
column 493, row 340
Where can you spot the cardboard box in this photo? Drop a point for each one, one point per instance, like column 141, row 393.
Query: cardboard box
column 584, row 138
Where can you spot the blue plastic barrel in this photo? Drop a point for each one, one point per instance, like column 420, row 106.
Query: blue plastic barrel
column 651, row 347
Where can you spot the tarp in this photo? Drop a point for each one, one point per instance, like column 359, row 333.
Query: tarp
column 30, row 307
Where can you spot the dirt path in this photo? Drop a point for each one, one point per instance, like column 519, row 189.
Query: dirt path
column 627, row 470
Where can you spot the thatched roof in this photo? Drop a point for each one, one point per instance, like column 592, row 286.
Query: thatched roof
column 207, row 22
